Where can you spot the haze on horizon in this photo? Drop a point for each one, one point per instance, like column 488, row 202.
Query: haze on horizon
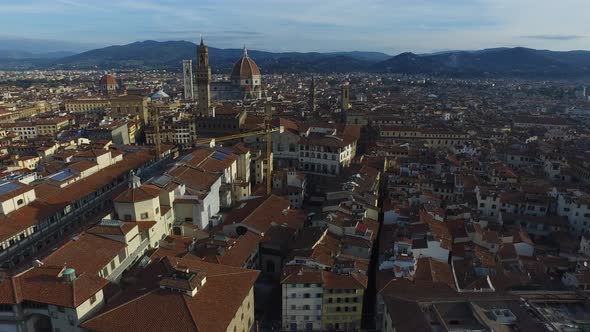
column 390, row 26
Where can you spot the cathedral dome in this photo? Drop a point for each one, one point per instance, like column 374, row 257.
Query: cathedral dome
column 108, row 80
column 245, row 68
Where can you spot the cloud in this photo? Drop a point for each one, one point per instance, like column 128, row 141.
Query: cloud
column 554, row 37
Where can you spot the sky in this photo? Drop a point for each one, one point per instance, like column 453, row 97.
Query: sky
column 390, row 26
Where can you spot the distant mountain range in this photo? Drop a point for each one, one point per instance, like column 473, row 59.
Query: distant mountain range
column 149, row 54
column 518, row 61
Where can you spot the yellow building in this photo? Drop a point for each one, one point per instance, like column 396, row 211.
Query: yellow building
column 28, row 162
column 14, row 112
column 130, row 105
column 342, row 308
column 51, row 127
column 86, row 105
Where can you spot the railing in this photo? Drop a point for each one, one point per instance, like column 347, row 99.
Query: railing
column 118, row 271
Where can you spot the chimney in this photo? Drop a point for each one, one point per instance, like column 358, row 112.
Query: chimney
column 134, row 182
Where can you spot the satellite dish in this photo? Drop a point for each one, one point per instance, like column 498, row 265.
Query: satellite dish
column 585, row 264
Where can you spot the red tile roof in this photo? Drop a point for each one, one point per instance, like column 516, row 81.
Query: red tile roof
column 211, row 309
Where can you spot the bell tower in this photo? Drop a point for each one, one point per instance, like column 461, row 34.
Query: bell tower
column 203, row 75
column 312, row 97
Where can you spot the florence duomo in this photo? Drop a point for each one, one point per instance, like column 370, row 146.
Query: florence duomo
column 244, row 83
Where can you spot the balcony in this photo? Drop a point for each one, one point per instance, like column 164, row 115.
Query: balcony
column 127, row 262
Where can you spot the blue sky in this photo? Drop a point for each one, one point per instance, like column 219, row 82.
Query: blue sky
column 390, row 26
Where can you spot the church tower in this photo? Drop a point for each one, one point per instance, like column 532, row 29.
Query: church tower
column 345, row 96
column 313, row 105
column 203, row 74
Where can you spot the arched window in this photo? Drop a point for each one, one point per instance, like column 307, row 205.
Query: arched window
column 20, row 202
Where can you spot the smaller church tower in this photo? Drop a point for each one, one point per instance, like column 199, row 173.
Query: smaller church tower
column 345, row 96
column 313, row 105
column 203, row 75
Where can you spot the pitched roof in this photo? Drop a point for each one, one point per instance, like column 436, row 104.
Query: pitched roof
column 211, row 309
column 87, row 253
column 143, row 193
column 43, row 285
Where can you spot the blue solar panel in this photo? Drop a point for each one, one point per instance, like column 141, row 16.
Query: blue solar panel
column 63, row 175
column 8, row 187
column 222, row 150
column 219, row 156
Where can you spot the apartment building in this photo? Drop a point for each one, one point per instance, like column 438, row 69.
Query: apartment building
column 431, row 137
column 39, row 127
column 326, row 151
column 130, row 105
column 322, row 300
column 85, row 105
column 183, row 294
column 50, row 298
column 63, row 200
column 576, row 207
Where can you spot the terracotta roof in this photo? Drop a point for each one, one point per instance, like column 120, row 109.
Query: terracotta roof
column 82, row 165
column 107, row 80
column 243, row 247
column 428, row 269
column 87, row 253
column 122, row 229
column 42, row 285
column 140, row 194
column 211, row 309
column 344, row 281
column 245, row 68
column 260, row 214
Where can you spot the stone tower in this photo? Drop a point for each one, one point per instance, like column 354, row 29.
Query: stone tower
column 187, row 79
column 203, row 74
column 345, row 96
column 313, row 105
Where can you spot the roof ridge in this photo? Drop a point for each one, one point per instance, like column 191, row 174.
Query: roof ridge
column 121, row 305
column 190, row 312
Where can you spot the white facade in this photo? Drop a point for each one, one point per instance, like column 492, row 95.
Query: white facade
column 302, row 307
column 15, row 202
column 189, row 208
column 577, row 212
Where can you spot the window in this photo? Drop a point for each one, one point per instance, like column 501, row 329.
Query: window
column 93, row 299
column 122, row 255
column 113, row 265
column 105, row 272
column 144, row 215
column 20, row 202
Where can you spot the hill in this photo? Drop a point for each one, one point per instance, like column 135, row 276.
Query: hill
column 516, row 61
column 169, row 55
column 151, row 54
